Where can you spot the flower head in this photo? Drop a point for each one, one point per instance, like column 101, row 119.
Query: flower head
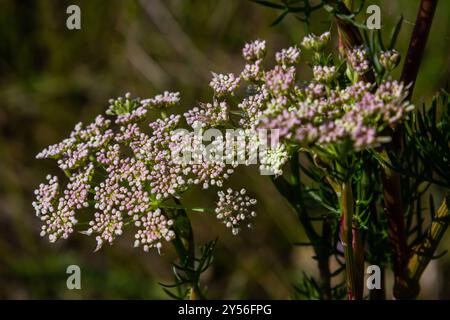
column 279, row 79
column 357, row 60
column 288, row 56
column 164, row 100
column 316, row 43
column 58, row 213
column 389, row 59
column 74, row 151
column 234, row 209
column 255, row 50
column 153, row 228
column 208, row 114
column 224, row 83
column 252, row 71
column 273, row 160
column 324, row 74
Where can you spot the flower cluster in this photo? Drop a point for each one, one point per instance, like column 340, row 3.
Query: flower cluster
column 288, row 56
column 255, row 50
column 107, row 225
column 128, row 171
column 324, row 74
column 73, row 152
column 224, row 83
column 279, row 80
column 316, row 43
column 334, row 108
column 234, row 209
column 96, row 152
column 56, row 211
column 154, row 227
column 252, row 71
column 165, row 100
column 322, row 111
column 252, row 107
column 274, row 160
column 357, row 58
column 389, row 59
column 211, row 114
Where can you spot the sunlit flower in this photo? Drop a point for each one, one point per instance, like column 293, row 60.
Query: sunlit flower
column 234, row 209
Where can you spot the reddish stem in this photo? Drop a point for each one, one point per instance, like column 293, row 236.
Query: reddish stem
column 417, row 43
column 403, row 288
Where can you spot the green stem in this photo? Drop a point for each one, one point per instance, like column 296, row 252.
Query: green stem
column 321, row 244
column 185, row 247
column 423, row 252
column 347, row 238
column 293, row 194
column 362, row 197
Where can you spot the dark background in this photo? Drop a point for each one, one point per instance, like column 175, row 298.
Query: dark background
column 52, row 77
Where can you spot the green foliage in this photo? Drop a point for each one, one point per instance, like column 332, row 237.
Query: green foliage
column 187, row 273
column 302, row 9
column 428, row 135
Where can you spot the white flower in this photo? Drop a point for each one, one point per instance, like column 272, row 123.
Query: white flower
column 273, row 160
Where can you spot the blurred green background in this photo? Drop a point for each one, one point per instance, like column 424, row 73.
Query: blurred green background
column 52, row 77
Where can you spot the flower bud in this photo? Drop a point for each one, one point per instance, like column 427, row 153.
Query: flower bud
column 389, row 59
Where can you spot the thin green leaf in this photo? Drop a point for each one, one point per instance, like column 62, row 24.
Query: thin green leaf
column 269, row 4
column 280, row 17
column 172, row 295
column 380, row 40
column 395, row 33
